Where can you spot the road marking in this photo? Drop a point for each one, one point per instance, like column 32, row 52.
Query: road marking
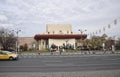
column 21, row 66
column 59, row 64
column 74, row 55
column 112, row 59
column 51, row 61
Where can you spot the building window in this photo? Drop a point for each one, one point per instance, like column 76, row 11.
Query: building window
column 60, row 32
column 53, row 32
column 67, row 32
column 48, row 32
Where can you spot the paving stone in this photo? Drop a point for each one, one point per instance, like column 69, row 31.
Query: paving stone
column 100, row 73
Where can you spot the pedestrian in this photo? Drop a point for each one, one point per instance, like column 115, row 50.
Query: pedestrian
column 113, row 48
column 60, row 50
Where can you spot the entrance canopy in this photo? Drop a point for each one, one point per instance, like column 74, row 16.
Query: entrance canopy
column 60, row 36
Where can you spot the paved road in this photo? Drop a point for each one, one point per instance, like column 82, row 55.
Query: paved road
column 63, row 63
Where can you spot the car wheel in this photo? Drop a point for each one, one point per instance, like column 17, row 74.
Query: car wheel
column 11, row 58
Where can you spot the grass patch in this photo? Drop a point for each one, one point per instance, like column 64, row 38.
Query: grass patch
column 47, row 51
column 71, row 50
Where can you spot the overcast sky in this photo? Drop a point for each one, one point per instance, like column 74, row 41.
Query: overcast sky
column 31, row 16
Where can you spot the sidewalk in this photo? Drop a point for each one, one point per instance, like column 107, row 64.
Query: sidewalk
column 72, row 53
column 100, row 73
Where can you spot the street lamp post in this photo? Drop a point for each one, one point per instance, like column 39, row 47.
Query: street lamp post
column 113, row 46
column 82, row 31
column 17, row 32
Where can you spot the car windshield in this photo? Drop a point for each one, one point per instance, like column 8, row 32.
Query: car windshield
column 7, row 52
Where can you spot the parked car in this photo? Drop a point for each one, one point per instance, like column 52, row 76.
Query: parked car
column 6, row 55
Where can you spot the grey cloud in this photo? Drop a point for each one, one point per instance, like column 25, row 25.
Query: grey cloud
column 3, row 18
column 76, row 12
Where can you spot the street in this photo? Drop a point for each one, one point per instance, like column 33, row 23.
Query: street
column 62, row 63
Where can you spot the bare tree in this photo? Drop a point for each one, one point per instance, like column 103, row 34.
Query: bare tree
column 7, row 39
column 118, row 44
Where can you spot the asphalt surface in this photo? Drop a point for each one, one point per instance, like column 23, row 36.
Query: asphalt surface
column 62, row 63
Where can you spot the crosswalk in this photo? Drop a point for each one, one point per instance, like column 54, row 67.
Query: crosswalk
column 40, row 56
column 28, row 56
column 77, row 54
column 36, row 56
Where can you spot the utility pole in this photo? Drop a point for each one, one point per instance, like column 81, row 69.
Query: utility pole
column 17, row 45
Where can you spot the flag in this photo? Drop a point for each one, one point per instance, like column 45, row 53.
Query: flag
column 99, row 31
column 103, row 28
column 96, row 32
column 108, row 25
column 115, row 21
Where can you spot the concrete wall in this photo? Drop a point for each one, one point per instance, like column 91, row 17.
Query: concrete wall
column 27, row 40
column 58, row 28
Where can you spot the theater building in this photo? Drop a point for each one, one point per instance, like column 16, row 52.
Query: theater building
column 59, row 35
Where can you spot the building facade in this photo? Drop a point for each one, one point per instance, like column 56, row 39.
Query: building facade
column 29, row 41
column 59, row 35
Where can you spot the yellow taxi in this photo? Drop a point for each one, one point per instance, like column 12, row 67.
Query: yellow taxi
column 8, row 55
